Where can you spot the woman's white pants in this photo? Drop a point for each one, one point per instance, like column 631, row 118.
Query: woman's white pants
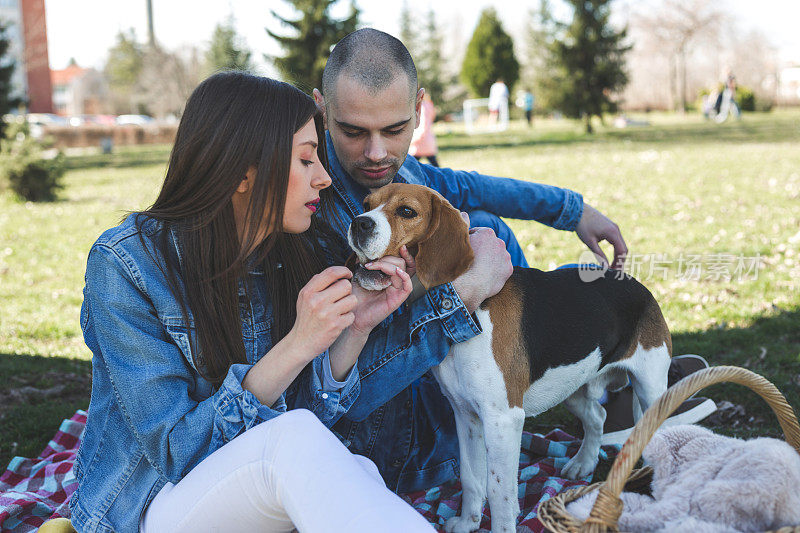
column 289, row 472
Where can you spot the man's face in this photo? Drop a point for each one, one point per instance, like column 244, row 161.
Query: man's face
column 371, row 131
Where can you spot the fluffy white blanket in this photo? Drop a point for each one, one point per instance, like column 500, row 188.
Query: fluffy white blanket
column 708, row 483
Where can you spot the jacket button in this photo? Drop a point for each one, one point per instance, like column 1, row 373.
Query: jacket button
column 447, row 304
column 397, row 463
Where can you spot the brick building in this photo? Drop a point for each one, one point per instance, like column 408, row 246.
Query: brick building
column 79, row 91
column 26, row 30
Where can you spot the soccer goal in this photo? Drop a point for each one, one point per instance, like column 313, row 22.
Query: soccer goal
column 478, row 119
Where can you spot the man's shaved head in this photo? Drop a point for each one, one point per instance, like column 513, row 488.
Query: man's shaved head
column 370, row 57
column 371, row 105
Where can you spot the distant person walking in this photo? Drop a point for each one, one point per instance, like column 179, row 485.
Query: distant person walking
column 423, row 142
column 711, row 103
column 727, row 105
column 498, row 99
column 525, row 101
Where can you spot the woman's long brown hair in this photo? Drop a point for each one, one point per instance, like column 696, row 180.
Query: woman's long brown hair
column 233, row 121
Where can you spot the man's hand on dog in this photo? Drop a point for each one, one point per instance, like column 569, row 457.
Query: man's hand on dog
column 594, row 227
column 489, row 271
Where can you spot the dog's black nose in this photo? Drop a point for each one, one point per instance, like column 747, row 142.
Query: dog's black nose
column 363, row 225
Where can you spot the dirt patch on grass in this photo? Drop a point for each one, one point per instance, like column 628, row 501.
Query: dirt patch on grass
column 35, row 389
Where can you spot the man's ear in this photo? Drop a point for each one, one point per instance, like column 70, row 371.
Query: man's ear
column 418, row 105
column 320, row 101
column 446, row 253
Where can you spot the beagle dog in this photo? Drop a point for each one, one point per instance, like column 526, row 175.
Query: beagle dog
column 548, row 337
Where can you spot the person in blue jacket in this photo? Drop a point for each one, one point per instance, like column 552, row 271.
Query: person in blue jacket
column 209, row 316
column 371, row 100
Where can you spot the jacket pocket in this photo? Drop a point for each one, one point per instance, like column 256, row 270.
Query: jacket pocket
column 181, row 336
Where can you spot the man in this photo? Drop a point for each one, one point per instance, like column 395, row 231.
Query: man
column 371, row 103
column 525, row 101
column 498, row 99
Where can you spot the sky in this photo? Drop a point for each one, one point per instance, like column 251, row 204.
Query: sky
column 86, row 29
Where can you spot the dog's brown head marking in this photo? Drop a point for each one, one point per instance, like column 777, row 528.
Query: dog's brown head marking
column 431, row 228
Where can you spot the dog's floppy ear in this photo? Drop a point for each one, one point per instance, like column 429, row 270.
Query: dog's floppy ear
column 446, row 253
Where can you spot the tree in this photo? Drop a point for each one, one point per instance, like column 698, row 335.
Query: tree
column 124, row 61
column 490, row 56
column 588, row 63
column 226, row 51
column 7, row 100
column 676, row 28
column 755, row 63
column 429, row 60
column 408, row 29
column 316, row 33
column 167, row 79
column 425, row 43
column 123, row 67
column 31, row 175
column 540, row 34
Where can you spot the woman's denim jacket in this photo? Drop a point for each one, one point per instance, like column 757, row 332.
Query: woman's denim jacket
column 152, row 417
column 400, row 419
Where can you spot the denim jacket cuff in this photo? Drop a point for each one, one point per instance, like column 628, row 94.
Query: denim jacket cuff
column 458, row 324
column 330, row 403
column 238, row 409
column 329, row 383
column 571, row 213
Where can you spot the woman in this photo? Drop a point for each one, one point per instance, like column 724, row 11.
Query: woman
column 208, row 315
column 423, row 142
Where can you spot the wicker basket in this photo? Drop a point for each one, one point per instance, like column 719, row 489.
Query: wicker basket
column 608, row 507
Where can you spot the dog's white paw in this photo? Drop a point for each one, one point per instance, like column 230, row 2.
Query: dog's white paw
column 463, row 524
column 579, row 466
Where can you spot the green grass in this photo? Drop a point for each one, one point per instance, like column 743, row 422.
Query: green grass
column 681, row 188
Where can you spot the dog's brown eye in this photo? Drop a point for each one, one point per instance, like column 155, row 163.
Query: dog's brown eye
column 366, row 206
column 406, row 212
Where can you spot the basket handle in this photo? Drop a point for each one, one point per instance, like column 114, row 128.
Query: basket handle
column 608, row 507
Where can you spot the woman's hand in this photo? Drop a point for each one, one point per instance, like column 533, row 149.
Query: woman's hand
column 325, row 308
column 374, row 306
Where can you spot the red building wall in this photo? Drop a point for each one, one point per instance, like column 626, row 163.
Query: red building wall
column 37, row 63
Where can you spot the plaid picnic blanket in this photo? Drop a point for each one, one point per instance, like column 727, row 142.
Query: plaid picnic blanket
column 540, row 462
column 35, row 490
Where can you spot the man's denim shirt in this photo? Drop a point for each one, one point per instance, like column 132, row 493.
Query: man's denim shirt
column 135, row 442
column 400, row 419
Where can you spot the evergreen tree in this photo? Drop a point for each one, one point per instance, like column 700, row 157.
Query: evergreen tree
column 589, row 63
column 539, row 37
column 408, row 29
column 489, row 56
column 226, row 51
column 7, row 100
column 23, row 165
column 122, row 70
column 124, row 62
column 430, row 61
column 316, row 34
